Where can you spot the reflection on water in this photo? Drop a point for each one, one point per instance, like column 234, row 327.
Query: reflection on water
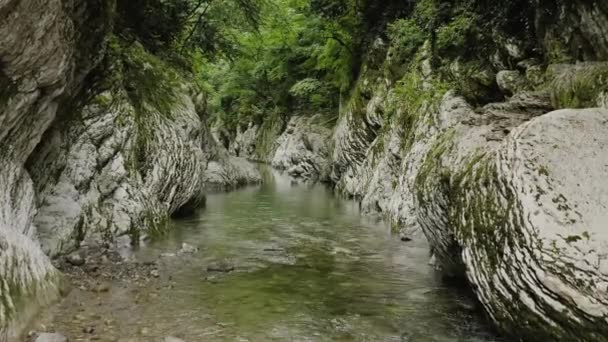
column 308, row 267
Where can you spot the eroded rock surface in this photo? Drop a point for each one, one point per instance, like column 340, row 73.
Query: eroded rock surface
column 303, row 149
column 44, row 55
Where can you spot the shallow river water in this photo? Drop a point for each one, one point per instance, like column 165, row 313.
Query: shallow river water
column 307, row 267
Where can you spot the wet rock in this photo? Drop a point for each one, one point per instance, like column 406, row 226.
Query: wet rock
column 223, row 266
column 187, row 249
column 510, row 81
column 51, row 337
column 75, row 259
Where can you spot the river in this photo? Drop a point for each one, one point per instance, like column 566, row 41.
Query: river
column 307, row 267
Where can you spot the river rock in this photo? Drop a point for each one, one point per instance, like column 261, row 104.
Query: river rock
column 222, row 266
column 75, row 259
column 187, row 249
column 51, row 337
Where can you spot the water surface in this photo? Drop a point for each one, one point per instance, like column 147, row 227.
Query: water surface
column 308, row 267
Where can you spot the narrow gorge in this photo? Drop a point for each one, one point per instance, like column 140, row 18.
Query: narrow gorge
column 303, row 170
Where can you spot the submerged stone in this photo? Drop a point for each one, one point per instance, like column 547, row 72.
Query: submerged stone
column 222, row 266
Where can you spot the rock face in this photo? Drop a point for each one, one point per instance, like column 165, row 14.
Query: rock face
column 225, row 171
column 46, row 50
column 97, row 143
column 303, row 149
column 533, row 238
column 119, row 166
column 244, row 144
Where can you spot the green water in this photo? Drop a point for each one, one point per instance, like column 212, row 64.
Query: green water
column 308, row 267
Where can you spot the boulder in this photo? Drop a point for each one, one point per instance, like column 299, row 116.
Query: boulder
column 510, row 81
column 303, row 149
column 523, row 218
column 531, row 221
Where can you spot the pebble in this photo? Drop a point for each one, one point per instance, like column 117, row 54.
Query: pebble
column 187, row 249
column 155, row 273
column 75, row 259
column 221, row 266
column 51, row 337
column 88, row 330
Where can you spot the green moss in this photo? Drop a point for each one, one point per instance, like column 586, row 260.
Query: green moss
column 416, row 98
column 406, row 37
column 557, row 52
column 455, row 33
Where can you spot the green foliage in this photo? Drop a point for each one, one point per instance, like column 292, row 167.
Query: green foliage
column 454, row 34
column 311, row 91
column 578, row 86
column 186, row 25
column 406, row 37
column 426, row 11
column 299, row 60
column 149, row 81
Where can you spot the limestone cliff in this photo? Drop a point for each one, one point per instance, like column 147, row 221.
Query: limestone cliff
column 46, row 51
column 100, row 139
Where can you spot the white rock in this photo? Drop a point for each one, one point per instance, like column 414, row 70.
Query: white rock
column 510, row 81
column 51, row 337
column 188, row 249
